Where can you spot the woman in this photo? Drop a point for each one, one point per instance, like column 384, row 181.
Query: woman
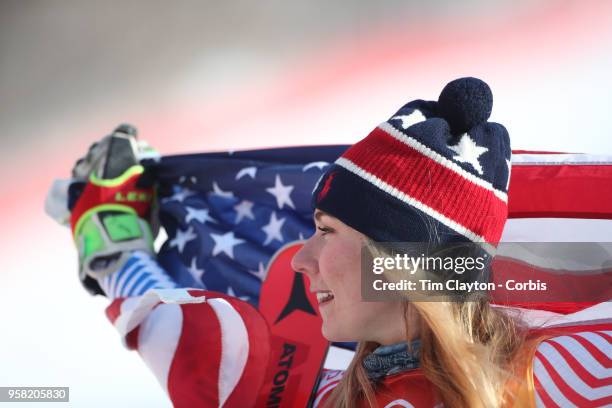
column 417, row 178
column 436, row 173
column 465, row 349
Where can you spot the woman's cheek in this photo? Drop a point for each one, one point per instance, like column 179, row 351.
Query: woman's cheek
column 341, row 258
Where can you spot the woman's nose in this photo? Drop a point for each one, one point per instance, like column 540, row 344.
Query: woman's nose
column 304, row 260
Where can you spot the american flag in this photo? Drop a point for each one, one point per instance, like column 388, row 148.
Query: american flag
column 226, row 214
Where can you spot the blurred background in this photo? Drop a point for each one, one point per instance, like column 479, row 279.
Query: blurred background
column 200, row 75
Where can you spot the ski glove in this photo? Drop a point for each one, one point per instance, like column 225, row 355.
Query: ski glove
column 106, row 205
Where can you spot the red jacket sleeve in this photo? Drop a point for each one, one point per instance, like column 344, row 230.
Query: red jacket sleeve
column 205, row 348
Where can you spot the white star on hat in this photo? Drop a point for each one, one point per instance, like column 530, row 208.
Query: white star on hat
column 182, row 238
column 244, row 210
column 468, row 152
column 194, row 271
column 408, row 120
column 198, row 215
column 273, row 229
column 225, row 243
column 281, row 192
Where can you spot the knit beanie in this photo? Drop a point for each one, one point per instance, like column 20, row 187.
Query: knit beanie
column 436, row 171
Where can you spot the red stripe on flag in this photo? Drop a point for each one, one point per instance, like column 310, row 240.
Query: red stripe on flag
column 560, row 191
column 454, row 196
column 253, row 376
column 597, row 354
column 561, row 330
column 605, row 336
column 566, row 291
column 578, row 368
column 546, row 399
column 207, row 345
column 193, row 378
column 568, row 392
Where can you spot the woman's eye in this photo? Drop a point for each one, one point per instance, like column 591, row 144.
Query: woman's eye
column 324, row 230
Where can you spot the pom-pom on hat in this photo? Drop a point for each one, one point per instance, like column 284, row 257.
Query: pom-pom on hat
column 436, row 171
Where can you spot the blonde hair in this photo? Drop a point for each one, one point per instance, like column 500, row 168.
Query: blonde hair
column 467, row 350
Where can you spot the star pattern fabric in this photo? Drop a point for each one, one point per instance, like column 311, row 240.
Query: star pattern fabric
column 180, row 195
column 217, row 190
column 247, row 171
column 282, row 193
column 198, row 215
column 182, row 238
column 194, row 270
column 226, row 215
column 244, row 210
column 273, row 229
column 225, row 243
column 315, row 165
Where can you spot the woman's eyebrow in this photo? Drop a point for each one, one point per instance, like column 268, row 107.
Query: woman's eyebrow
column 318, row 215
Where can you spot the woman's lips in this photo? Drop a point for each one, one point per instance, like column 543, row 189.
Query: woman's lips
column 324, row 296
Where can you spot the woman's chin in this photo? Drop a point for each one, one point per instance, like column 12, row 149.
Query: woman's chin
column 333, row 334
column 327, row 332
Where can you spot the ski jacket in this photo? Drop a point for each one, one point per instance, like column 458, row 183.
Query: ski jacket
column 208, row 349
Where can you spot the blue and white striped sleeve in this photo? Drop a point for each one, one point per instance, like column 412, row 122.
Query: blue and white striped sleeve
column 140, row 273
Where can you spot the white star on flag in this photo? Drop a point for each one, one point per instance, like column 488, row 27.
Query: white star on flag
column 408, row 120
column 468, row 152
column 261, row 272
column 230, row 292
column 182, row 238
column 244, row 209
column 198, row 215
column 179, row 195
column 217, row 190
column 225, row 243
column 281, row 193
column 247, row 171
column 319, row 165
column 194, row 271
column 273, row 229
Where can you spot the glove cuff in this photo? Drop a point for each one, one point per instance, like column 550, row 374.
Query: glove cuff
column 105, row 236
column 121, row 191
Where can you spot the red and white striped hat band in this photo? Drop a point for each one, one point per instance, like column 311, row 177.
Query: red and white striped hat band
column 436, row 171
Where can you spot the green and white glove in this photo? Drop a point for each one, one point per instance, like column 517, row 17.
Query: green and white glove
column 106, row 205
